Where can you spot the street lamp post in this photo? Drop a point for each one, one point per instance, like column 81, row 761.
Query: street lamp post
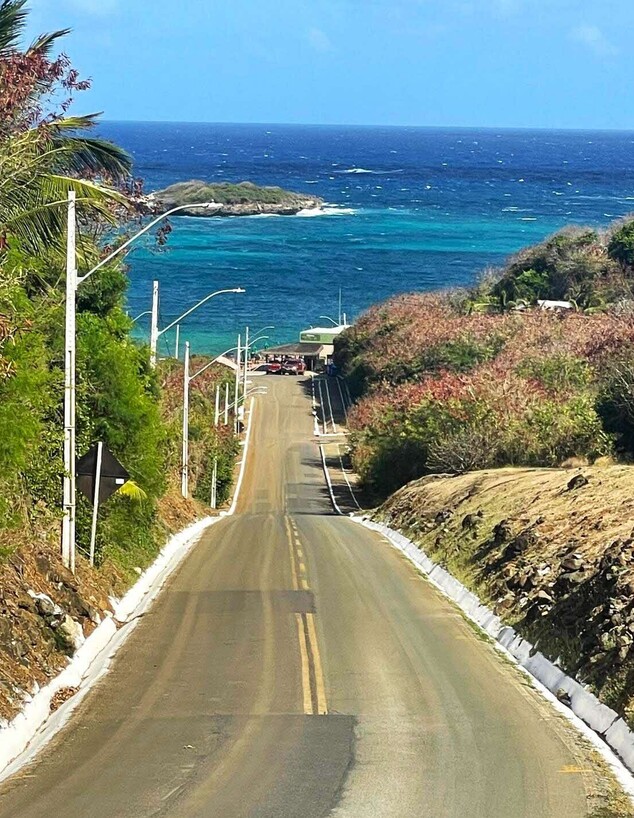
column 156, row 333
column 70, row 342
column 68, row 521
column 187, row 379
column 236, row 419
column 246, row 363
column 185, row 457
column 247, row 346
column 328, row 318
column 225, row 411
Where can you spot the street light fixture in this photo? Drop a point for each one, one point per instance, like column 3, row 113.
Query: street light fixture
column 187, row 379
column 247, row 347
column 156, row 332
column 73, row 280
column 328, row 318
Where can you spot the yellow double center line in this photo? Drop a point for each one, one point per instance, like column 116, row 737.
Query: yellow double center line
column 313, row 686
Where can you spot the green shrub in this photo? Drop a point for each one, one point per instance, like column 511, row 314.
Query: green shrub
column 571, row 265
column 615, row 402
column 621, row 244
column 557, row 373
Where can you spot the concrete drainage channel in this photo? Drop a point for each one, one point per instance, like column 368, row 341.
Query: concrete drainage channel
column 607, row 731
column 35, row 726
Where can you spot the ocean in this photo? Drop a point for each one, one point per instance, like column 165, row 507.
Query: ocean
column 407, row 209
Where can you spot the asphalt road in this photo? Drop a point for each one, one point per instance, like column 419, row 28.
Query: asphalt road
column 297, row 666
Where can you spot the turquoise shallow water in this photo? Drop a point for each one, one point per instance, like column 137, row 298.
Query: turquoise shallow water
column 411, row 209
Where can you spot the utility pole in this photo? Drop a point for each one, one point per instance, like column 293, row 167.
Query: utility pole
column 214, row 484
column 185, row 460
column 217, row 408
column 226, row 423
column 69, row 500
column 95, row 503
column 246, row 365
column 73, row 280
column 236, row 401
column 154, row 328
column 178, row 335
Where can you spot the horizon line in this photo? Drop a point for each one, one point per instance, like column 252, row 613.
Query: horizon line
column 529, row 128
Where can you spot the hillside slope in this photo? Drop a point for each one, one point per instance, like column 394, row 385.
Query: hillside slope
column 550, row 550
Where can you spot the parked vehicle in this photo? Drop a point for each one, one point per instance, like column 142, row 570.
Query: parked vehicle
column 273, row 368
column 293, row 366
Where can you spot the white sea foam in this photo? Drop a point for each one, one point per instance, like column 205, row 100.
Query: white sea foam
column 327, row 210
column 374, row 172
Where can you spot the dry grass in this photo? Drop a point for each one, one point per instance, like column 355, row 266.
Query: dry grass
column 584, row 617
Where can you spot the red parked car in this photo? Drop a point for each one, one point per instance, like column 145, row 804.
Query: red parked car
column 273, row 368
column 293, row 366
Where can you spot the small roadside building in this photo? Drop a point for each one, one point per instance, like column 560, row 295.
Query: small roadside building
column 315, row 346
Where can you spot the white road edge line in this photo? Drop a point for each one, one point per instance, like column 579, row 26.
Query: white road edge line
column 343, row 400
column 243, row 463
column 329, row 481
column 34, row 727
column 618, row 753
column 345, row 477
column 316, row 431
column 332, row 414
column 322, row 406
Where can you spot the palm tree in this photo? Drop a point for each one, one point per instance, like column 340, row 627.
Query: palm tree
column 44, row 156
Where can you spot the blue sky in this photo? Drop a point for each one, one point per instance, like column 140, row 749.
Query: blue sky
column 518, row 63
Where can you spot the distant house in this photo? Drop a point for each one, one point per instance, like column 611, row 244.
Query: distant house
column 555, row 305
column 315, row 346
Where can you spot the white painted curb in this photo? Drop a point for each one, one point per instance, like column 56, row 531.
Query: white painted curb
column 609, row 733
column 35, row 726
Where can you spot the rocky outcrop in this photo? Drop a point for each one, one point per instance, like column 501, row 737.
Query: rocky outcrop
column 242, row 199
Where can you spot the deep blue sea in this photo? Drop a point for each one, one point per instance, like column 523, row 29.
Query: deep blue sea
column 409, row 209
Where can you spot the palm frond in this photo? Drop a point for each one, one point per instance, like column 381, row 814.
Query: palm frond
column 36, row 174
column 132, row 491
column 93, row 157
column 45, row 42
column 42, row 221
column 13, row 18
column 85, row 155
column 77, row 122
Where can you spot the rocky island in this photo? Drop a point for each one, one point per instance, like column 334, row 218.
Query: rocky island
column 241, row 199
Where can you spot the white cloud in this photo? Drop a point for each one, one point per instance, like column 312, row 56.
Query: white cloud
column 319, row 40
column 595, row 40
